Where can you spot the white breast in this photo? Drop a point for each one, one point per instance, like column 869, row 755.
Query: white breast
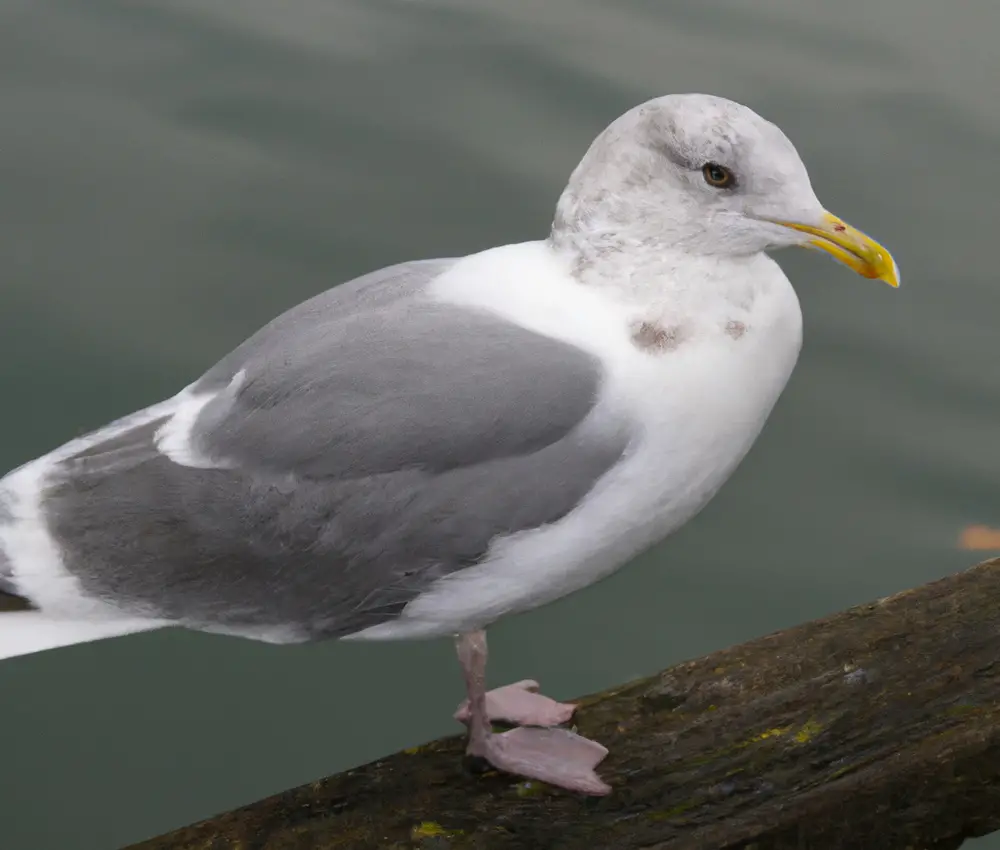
column 699, row 407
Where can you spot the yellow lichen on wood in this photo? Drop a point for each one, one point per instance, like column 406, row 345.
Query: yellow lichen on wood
column 776, row 732
column 810, row 729
column 431, row 829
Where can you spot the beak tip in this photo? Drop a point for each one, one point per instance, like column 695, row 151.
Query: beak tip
column 892, row 278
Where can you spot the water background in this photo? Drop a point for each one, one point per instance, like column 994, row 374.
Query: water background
column 173, row 173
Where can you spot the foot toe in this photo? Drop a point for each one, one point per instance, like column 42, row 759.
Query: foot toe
column 555, row 756
column 520, row 704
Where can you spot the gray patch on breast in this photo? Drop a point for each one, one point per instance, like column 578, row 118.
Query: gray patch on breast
column 735, row 329
column 656, row 338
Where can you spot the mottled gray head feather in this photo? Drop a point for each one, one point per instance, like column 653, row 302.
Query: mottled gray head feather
column 641, row 181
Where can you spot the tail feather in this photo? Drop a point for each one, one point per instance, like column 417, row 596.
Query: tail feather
column 24, row 631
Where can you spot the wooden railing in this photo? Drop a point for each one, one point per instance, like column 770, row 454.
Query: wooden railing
column 878, row 727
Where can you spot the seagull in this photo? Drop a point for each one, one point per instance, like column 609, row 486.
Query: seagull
column 430, row 447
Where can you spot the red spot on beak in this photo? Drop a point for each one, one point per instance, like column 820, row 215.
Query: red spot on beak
column 839, row 228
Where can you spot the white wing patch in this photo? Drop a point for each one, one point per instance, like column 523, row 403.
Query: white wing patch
column 173, row 439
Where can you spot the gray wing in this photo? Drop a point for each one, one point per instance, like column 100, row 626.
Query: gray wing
column 374, row 441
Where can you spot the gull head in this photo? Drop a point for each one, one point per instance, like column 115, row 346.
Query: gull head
column 703, row 175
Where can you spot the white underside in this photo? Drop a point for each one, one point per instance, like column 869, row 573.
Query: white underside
column 698, row 406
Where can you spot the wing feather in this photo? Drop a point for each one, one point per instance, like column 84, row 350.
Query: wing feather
column 374, row 441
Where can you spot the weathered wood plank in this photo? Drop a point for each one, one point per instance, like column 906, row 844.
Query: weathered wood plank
column 878, row 727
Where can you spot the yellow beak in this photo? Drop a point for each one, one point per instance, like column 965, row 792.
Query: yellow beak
column 851, row 247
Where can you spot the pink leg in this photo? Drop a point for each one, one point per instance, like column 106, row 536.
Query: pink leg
column 556, row 756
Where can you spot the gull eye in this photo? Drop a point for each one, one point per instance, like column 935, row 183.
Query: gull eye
column 717, row 175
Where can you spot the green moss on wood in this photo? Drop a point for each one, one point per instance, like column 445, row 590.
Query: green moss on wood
column 877, row 727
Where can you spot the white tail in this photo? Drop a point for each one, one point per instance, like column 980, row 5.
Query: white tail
column 25, row 632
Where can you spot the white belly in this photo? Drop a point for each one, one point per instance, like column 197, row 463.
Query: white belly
column 699, row 408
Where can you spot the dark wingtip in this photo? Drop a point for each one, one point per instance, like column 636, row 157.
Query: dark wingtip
column 12, row 602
